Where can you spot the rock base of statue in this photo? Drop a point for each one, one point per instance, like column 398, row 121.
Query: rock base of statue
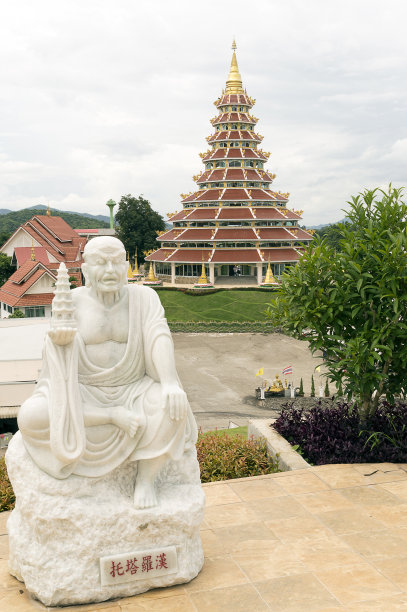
column 61, row 529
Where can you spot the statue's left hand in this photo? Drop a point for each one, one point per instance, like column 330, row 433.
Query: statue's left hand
column 175, row 400
column 62, row 335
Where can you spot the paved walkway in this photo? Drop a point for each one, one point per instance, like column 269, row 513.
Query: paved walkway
column 326, row 539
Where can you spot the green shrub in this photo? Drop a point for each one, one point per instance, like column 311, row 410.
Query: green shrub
column 222, row 457
column 7, row 497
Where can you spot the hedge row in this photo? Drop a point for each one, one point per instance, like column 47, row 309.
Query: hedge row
column 228, row 327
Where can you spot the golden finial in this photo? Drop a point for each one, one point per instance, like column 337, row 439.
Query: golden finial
column 32, row 251
column 48, row 211
column 234, row 81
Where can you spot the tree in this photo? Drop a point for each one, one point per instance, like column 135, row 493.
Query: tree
column 352, row 303
column 339, row 392
column 312, row 386
column 17, row 314
column 326, row 390
column 6, row 268
column 301, row 389
column 138, row 225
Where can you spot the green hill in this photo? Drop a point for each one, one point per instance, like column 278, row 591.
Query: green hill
column 12, row 220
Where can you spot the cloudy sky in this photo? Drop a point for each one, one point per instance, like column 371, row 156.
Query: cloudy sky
column 101, row 98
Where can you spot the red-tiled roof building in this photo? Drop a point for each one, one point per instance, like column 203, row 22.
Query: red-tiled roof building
column 234, row 219
column 37, row 248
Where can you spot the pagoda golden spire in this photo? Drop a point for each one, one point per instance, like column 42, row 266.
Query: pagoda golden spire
column 234, row 82
column 32, row 251
column 48, row 211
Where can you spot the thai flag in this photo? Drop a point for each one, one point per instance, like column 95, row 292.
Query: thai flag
column 288, row 370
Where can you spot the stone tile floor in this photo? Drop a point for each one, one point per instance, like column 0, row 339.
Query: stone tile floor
column 324, row 539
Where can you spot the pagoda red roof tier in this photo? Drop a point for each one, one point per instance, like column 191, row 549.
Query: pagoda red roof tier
column 300, row 234
column 206, row 213
column 234, row 117
column 275, row 233
column 234, row 99
column 245, row 233
column 235, row 194
column 160, row 255
column 266, row 194
column 196, row 233
column 190, row 255
column 290, row 214
column 234, row 174
column 268, row 213
column 234, row 135
column 280, row 255
column 179, row 216
column 235, row 213
column 234, row 153
column 236, row 256
column 172, row 234
column 209, row 195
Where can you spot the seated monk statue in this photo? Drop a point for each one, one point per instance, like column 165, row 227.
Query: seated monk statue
column 108, row 391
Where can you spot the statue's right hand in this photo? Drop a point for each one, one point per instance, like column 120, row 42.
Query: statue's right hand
column 62, row 335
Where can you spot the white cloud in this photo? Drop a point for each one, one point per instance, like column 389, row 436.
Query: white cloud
column 100, row 99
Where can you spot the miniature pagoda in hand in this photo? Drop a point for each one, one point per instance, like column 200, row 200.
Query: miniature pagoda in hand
column 234, row 221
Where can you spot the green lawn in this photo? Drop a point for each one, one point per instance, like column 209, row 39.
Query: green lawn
column 222, row 306
column 234, row 431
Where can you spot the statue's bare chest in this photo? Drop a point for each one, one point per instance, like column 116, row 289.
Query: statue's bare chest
column 99, row 324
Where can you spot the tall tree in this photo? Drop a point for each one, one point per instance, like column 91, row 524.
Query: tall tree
column 138, row 225
column 6, row 268
column 352, row 303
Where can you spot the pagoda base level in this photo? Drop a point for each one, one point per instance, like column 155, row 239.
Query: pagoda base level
column 152, row 283
column 268, row 285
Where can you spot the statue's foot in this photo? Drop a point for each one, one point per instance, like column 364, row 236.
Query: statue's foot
column 144, row 494
column 126, row 420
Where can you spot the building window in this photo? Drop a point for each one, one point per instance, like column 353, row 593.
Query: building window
column 241, row 108
column 190, row 270
column 35, row 311
column 235, row 164
column 234, row 108
column 9, row 308
column 220, row 164
column 242, row 126
column 233, row 126
column 208, row 165
column 235, row 184
column 163, row 268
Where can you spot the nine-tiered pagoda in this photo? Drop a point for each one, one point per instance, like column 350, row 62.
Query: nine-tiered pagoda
column 234, row 222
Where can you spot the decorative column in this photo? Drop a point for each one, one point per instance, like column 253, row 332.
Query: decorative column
column 172, row 273
column 212, row 273
column 259, row 266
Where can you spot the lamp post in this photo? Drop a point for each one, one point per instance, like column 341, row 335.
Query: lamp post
column 111, row 204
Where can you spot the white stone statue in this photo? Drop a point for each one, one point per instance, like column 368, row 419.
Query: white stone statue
column 104, row 467
column 108, row 390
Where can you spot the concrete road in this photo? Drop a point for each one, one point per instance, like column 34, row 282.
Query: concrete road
column 218, row 372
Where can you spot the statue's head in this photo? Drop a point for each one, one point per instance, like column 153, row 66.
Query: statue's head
column 105, row 264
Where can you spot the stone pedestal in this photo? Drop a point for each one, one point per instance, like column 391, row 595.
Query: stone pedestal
column 61, row 529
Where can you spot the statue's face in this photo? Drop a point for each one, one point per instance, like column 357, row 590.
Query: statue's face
column 105, row 269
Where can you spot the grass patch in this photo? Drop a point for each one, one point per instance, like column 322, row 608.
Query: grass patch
column 223, row 456
column 234, row 431
column 232, row 306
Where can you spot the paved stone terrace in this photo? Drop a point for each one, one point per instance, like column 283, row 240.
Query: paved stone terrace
column 326, row 539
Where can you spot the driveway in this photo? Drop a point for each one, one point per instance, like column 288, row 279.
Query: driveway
column 218, row 372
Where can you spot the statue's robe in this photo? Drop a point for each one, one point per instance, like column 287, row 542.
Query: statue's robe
column 69, row 379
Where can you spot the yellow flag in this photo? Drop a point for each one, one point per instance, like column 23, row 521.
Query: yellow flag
column 318, row 368
column 260, row 372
